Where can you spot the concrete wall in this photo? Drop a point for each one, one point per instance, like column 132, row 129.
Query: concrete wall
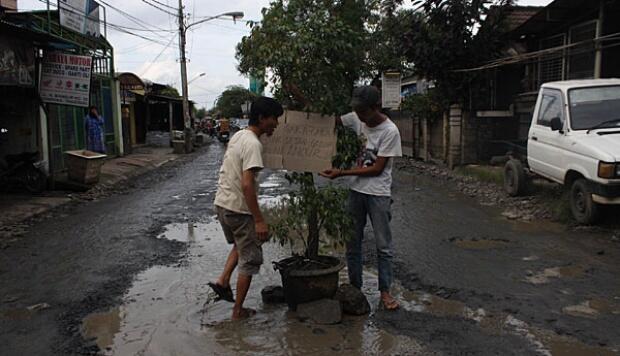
column 405, row 123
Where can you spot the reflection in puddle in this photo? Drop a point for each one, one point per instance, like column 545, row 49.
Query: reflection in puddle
column 170, row 310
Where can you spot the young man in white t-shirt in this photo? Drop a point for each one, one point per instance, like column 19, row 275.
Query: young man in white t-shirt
column 237, row 204
column 371, row 186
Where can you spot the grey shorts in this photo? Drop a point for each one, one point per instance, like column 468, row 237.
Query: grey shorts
column 239, row 230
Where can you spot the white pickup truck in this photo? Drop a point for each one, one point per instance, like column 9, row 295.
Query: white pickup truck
column 574, row 140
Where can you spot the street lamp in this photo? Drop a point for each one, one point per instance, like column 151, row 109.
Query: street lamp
column 182, row 32
column 198, row 76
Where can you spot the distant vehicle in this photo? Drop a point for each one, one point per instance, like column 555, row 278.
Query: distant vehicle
column 223, row 130
column 243, row 123
column 574, row 140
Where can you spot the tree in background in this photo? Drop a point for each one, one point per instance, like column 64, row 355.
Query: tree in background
column 315, row 50
column 443, row 36
column 170, row 91
column 229, row 102
column 200, row 113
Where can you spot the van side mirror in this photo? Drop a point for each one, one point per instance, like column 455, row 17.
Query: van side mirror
column 556, row 124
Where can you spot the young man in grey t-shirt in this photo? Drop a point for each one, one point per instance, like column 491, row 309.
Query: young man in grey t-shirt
column 370, row 194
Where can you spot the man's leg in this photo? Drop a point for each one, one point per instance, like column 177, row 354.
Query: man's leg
column 379, row 209
column 243, row 285
column 250, row 258
column 229, row 267
column 357, row 209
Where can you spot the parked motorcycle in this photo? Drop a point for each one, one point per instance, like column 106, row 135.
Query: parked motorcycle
column 22, row 171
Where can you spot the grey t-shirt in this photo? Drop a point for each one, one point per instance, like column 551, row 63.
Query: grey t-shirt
column 380, row 141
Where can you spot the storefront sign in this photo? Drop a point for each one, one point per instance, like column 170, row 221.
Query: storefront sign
column 65, row 79
column 16, row 63
column 390, row 91
column 302, row 142
column 80, row 16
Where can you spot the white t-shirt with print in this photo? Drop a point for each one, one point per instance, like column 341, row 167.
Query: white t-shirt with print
column 351, row 121
column 381, row 141
column 244, row 152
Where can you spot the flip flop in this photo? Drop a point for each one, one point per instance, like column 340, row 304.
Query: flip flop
column 224, row 293
column 390, row 304
column 245, row 313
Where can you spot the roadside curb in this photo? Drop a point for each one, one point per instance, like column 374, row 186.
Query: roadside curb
column 16, row 211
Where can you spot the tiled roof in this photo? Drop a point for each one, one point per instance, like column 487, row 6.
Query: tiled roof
column 517, row 15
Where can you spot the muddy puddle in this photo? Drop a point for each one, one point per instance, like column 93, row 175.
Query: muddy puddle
column 271, row 189
column 171, row 310
column 592, row 308
column 545, row 276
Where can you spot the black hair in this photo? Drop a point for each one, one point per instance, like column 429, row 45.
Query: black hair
column 90, row 108
column 264, row 107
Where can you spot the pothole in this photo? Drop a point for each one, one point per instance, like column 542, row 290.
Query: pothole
column 480, row 243
column 171, row 310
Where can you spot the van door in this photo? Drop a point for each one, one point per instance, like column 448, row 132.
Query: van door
column 545, row 152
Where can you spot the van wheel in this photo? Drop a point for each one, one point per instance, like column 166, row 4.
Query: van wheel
column 584, row 209
column 515, row 182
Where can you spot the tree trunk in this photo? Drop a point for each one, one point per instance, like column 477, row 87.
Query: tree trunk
column 313, row 235
column 313, row 222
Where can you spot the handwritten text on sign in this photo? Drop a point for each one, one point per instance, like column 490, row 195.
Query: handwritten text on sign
column 302, row 142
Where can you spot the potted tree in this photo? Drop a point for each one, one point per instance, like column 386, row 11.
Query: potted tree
column 315, row 52
column 311, row 217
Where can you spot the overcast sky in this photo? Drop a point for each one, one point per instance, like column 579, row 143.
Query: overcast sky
column 210, row 46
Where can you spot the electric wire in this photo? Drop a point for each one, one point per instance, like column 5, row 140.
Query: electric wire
column 160, row 9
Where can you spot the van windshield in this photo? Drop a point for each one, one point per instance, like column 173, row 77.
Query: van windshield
column 591, row 107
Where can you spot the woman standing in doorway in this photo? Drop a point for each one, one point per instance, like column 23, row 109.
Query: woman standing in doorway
column 94, row 125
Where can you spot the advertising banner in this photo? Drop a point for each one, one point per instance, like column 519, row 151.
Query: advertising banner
column 65, row 79
column 80, row 16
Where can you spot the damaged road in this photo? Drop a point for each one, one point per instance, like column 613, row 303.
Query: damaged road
column 557, row 290
column 127, row 275
column 84, row 258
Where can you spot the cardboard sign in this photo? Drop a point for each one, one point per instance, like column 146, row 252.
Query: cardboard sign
column 65, row 79
column 303, row 142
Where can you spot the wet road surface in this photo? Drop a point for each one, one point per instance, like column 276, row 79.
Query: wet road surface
column 127, row 276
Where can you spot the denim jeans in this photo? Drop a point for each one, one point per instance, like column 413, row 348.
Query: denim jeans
column 378, row 209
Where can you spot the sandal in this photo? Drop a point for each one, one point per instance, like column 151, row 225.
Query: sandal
column 223, row 293
column 244, row 314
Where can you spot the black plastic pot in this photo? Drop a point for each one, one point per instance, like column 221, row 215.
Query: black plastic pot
column 303, row 285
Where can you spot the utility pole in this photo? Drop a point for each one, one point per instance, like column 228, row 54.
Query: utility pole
column 186, row 115
column 187, row 128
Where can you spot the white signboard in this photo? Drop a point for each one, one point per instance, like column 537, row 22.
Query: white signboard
column 65, row 79
column 390, row 90
column 80, row 16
